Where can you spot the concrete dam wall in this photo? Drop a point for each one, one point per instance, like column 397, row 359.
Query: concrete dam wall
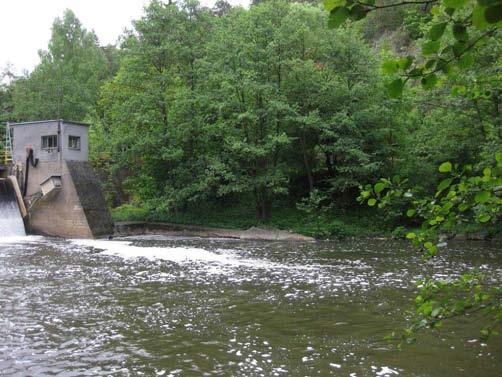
column 78, row 210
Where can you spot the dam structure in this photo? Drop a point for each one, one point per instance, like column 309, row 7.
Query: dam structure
column 55, row 186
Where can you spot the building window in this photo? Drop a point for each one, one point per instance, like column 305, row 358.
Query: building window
column 74, row 142
column 49, row 142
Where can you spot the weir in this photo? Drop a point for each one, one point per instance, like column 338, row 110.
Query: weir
column 11, row 221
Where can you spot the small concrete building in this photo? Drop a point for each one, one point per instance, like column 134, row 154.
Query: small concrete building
column 62, row 193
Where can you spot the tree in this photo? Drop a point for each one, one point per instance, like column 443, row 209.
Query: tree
column 149, row 107
column 66, row 82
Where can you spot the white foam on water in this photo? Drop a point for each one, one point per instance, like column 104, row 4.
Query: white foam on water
column 19, row 239
column 180, row 255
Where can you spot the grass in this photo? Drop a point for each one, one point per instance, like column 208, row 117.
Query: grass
column 358, row 222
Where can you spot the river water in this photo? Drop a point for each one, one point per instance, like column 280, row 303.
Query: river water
column 159, row 306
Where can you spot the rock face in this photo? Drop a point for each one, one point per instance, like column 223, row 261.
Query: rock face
column 78, row 210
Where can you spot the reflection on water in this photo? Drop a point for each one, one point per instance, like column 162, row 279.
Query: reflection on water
column 202, row 307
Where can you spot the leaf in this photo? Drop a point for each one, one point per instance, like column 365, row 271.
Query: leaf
column 466, row 61
column 444, row 184
column 379, row 187
column 478, row 17
column 437, row 31
column 455, row 3
column 416, row 72
column 389, row 67
column 395, row 88
column 445, row 167
column 487, row 172
column 411, row 236
column 482, row 196
column 436, row 312
column 493, row 14
column 484, row 218
column 358, row 12
column 429, row 245
column 410, row 212
column 498, row 157
column 430, row 63
column 337, row 17
column 372, row 202
column 405, row 63
column 460, row 32
column 330, row 4
column 458, row 48
column 430, row 47
column 429, row 81
column 463, row 207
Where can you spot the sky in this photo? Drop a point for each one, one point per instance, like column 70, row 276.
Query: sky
column 25, row 25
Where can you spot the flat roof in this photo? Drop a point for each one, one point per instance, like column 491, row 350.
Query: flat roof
column 50, row 121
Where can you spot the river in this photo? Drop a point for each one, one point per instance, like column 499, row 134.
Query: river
column 160, row 306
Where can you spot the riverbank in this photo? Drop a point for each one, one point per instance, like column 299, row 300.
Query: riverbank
column 134, row 228
column 284, row 224
column 360, row 222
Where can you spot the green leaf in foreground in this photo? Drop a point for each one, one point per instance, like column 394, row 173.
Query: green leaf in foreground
column 437, row 31
column 482, row 197
column 330, row 4
column 379, row 187
column 498, row 157
column 460, row 32
column 389, row 67
column 484, row 218
column 429, row 81
column 445, row 167
column 445, row 183
column 430, row 47
column 478, row 17
column 395, row 88
column 337, row 17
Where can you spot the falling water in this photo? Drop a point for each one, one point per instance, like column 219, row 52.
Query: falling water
column 11, row 222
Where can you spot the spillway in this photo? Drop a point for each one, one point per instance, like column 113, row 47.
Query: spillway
column 11, row 222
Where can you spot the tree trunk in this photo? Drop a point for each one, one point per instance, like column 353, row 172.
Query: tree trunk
column 306, row 162
column 263, row 205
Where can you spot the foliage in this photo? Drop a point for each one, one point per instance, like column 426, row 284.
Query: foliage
column 462, row 197
column 263, row 108
column 240, row 104
column 66, row 82
column 235, row 214
column 454, row 29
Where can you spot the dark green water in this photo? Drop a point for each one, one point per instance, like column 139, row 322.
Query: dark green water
column 193, row 307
